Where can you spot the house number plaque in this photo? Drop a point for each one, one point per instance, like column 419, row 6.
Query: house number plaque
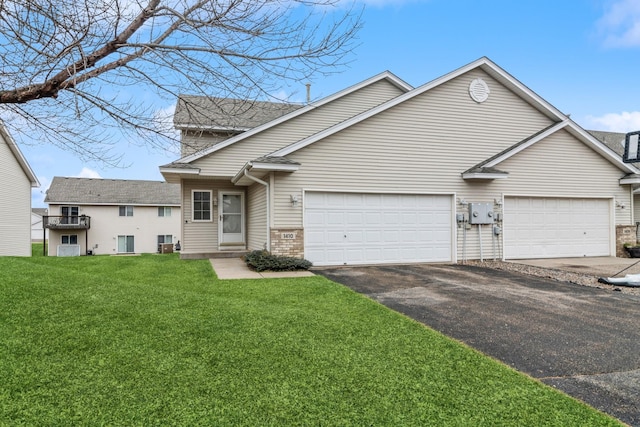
column 288, row 236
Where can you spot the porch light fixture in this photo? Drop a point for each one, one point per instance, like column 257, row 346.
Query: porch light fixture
column 294, row 200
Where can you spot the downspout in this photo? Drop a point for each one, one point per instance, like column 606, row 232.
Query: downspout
column 266, row 186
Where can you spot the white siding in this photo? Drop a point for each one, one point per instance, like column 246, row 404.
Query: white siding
column 106, row 225
column 424, row 145
column 37, row 230
column 229, row 160
column 15, row 205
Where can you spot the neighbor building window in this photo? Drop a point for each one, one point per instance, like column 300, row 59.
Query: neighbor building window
column 69, row 214
column 202, row 205
column 125, row 244
column 70, row 239
column 126, row 210
column 167, row 238
column 164, row 211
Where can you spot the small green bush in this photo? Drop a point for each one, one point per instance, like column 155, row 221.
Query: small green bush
column 263, row 260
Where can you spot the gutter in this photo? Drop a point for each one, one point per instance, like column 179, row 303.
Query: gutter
column 266, row 186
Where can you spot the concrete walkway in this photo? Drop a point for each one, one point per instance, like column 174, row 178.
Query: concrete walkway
column 236, row 268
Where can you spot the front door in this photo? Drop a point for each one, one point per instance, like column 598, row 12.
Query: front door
column 231, row 219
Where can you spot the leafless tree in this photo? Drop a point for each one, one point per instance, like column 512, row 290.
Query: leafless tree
column 80, row 73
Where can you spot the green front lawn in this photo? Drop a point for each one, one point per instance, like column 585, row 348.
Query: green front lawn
column 153, row 340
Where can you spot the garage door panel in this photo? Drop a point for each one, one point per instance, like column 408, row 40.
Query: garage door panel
column 556, row 227
column 379, row 228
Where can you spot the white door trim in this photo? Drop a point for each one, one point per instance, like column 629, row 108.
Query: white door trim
column 231, row 225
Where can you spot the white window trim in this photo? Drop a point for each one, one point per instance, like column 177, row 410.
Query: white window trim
column 210, row 205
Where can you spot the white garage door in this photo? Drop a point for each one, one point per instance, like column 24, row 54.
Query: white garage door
column 354, row 228
column 536, row 227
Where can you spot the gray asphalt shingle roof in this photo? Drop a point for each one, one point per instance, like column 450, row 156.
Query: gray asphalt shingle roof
column 227, row 113
column 88, row 191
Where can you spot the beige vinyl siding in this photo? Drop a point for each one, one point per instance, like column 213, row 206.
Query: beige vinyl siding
column 256, row 217
column 636, row 209
column 193, row 141
column 561, row 167
column 229, row 160
column 423, row 146
column 201, row 237
column 15, row 206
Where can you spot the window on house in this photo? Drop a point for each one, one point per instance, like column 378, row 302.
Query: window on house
column 167, row 238
column 164, row 211
column 126, row 210
column 69, row 214
column 202, row 205
column 125, row 244
column 69, row 239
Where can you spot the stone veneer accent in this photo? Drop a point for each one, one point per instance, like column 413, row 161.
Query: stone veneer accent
column 287, row 242
column 624, row 234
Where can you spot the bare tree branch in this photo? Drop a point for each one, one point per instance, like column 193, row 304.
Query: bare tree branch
column 81, row 73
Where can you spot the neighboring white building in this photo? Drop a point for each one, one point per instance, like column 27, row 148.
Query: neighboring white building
column 111, row 216
column 16, row 181
column 38, row 232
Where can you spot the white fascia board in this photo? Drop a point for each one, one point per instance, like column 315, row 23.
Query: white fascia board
column 180, row 171
column 311, row 106
column 22, row 161
column 274, row 167
column 484, row 63
column 263, row 167
column 527, row 144
column 479, row 175
column 630, row 180
column 508, row 80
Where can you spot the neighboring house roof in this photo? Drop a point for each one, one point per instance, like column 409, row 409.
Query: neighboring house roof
column 40, row 211
column 613, row 140
column 226, row 114
column 19, row 157
column 388, row 76
column 91, row 191
column 616, row 141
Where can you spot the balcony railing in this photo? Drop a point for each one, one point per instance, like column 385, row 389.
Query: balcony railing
column 67, row 222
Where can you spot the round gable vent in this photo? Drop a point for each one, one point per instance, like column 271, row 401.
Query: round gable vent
column 478, row 90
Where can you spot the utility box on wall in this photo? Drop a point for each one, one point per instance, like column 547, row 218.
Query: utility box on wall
column 480, row 213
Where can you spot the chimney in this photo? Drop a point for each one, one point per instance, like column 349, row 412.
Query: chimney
column 308, row 85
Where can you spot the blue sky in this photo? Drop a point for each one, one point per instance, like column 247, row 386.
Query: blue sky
column 582, row 56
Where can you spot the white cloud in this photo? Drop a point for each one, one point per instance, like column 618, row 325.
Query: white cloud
column 615, row 122
column 620, row 24
column 163, row 121
column 88, row 173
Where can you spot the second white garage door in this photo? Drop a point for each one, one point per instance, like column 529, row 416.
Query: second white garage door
column 356, row 228
column 537, row 227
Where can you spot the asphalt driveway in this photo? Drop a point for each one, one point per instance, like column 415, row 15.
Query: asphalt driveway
column 582, row 340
